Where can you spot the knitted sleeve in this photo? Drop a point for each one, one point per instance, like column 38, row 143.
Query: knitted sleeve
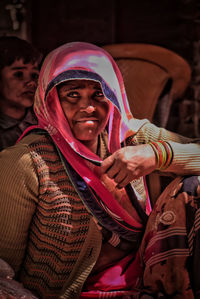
column 186, row 151
column 18, row 197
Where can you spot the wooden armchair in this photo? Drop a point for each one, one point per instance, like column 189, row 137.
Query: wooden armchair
column 154, row 77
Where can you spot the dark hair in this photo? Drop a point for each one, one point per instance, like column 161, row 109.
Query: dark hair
column 13, row 48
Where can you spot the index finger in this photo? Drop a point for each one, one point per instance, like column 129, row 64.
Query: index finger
column 106, row 164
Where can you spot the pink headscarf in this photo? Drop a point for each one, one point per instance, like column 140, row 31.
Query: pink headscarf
column 95, row 64
column 79, row 60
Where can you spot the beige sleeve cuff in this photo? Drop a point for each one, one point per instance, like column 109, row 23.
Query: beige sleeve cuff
column 186, row 159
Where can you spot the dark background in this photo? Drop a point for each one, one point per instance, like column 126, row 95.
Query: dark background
column 172, row 24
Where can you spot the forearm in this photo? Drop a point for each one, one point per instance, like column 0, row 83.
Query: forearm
column 186, row 151
column 186, row 159
column 149, row 132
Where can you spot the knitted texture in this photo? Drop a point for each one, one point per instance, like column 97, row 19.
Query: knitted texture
column 37, row 191
column 186, row 151
column 63, row 242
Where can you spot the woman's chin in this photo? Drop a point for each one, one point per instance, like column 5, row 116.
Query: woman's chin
column 88, row 136
column 87, row 133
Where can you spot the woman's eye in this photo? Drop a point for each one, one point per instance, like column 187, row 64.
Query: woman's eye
column 73, row 94
column 98, row 94
column 71, row 97
column 18, row 75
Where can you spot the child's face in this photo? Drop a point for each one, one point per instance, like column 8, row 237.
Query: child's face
column 18, row 83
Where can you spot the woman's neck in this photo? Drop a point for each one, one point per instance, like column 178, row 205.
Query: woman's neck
column 91, row 145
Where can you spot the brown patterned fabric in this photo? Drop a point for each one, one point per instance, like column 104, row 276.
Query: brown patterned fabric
column 171, row 242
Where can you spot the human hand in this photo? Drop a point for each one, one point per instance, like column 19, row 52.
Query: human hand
column 10, row 288
column 129, row 163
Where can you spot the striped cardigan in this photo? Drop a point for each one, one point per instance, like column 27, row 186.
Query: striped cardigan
column 63, row 241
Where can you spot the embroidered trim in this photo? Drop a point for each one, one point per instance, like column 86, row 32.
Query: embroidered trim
column 168, row 218
column 114, row 240
column 51, row 130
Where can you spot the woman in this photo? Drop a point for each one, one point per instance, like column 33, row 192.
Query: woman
column 74, row 203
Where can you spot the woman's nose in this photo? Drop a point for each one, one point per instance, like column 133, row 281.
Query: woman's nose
column 87, row 104
column 90, row 109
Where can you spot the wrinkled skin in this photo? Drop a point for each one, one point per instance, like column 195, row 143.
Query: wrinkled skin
column 86, row 109
column 129, row 163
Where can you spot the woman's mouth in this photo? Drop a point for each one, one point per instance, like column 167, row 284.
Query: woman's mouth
column 88, row 120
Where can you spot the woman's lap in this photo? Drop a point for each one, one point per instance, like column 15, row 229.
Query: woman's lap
column 170, row 243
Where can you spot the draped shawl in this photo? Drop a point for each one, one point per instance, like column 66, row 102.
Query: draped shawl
column 80, row 60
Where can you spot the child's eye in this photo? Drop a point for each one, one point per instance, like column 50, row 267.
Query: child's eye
column 18, row 75
column 34, row 76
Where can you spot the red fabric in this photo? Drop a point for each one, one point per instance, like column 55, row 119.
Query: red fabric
column 75, row 57
column 124, row 275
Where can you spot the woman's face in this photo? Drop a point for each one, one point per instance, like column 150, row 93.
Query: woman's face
column 86, row 109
